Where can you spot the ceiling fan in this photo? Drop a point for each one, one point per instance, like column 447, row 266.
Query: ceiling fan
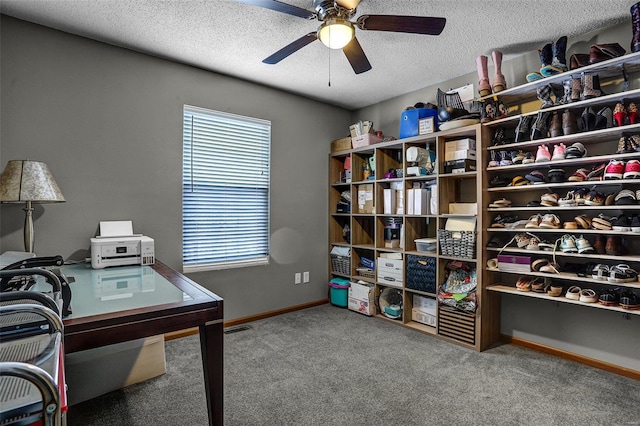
column 336, row 31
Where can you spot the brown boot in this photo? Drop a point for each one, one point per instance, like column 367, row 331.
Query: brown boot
column 599, row 244
column 555, row 128
column 569, row 123
column 614, row 246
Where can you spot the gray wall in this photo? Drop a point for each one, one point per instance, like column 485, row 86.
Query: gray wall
column 602, row 335
column 108, row 122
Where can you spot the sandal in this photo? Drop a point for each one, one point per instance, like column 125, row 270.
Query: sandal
column 622, row 274
column 629, row 300
column 600, row 272
column 523, row 284
column 554, row 290
column 609, row 297
column 537, row 285
column 573, row 292
column 588, row 296
column 518, row 181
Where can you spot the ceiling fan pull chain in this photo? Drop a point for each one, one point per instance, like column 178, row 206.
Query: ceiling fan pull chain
column 329, row 67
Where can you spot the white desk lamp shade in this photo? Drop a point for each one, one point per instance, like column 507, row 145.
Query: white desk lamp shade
column 28, row 181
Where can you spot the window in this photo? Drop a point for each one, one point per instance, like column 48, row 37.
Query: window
column 225, row 190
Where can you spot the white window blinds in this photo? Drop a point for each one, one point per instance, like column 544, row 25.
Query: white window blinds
column 225, row 190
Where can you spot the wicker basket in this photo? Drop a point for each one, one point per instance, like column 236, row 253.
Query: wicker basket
column 365, row 272
column 458, row 243
column 341, row 264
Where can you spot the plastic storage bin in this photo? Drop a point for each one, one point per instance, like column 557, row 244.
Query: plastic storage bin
column 339, row 292
column 427, row 245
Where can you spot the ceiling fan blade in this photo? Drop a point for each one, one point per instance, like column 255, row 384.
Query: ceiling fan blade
column 356, row 57
column 348, row 4
column 290, row 48
column 281, row 7
column 402, row 24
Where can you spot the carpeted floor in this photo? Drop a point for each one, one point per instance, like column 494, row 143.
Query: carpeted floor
column 329, row 366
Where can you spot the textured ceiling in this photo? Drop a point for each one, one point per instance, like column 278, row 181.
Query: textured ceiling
column 232, row 38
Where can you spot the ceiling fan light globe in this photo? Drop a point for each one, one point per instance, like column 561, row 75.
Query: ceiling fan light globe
column 336, row 34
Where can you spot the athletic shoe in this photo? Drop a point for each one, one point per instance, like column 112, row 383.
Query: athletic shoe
column 528, row 158
column 625, row 197
column 580, row 195
column 632, row 169
column 621, row 223
column 543, row 154
column 550, row 221
column 579, row 175
column 568, row 244
column 577, row 150
column 559, row 152
column 614, row 170
column 534, row 221
column 583, row 245
column 594, row 198
column 635, row 223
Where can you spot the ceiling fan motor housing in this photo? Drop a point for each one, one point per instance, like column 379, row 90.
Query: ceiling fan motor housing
column 327, row 8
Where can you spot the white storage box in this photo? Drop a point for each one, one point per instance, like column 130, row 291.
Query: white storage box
column 426, row 245
column 97, row 371
column 427, row 305
column 390, row 271
column 423, row 318
column 389, row 201
column 361, row 299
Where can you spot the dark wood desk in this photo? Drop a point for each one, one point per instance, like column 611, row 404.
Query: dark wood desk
column 119, row 304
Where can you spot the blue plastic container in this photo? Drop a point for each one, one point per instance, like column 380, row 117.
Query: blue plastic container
column 409, row 121
column 339, row 292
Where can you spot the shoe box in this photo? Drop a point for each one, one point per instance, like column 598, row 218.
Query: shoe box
column 361, row 299
column 459, row 166
column 510, row 263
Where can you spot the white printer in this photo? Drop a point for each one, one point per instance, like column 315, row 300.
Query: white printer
column 117, row 245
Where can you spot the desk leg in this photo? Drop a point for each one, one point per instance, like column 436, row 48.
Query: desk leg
column 211, row 341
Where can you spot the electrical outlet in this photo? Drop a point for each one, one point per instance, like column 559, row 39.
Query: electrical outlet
column 298, row 278
column 305, row 276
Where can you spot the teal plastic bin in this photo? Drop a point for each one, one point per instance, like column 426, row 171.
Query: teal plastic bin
column 339, row 292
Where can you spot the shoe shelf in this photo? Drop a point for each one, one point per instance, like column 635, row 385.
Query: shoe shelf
column 564, row 208
column 601, row 145
column 590, row 137
column 589, row 183
column 561, row 299
column 599, row 101
column 570, row 162
column 609, row 69
column 560, row 253
column 567, row 276
column 565, row 231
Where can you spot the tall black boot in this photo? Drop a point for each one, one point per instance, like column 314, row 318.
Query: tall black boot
column 546, row 57
column 635, row 27
column 558, row 62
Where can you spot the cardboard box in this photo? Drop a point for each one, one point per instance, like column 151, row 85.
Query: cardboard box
column 428, row 305
column 461, row 154
column 361, row 299
column 97, row 371
column 424, row 318
column 463, row 208
column 365, row 198
column 466, row 143
column 364, row 140
column 459, row 166
column 343, row 144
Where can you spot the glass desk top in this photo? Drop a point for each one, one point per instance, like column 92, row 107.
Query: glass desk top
column 116, row 289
